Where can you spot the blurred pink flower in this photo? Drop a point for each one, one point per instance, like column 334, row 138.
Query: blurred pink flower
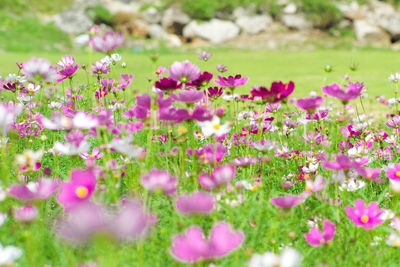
column 309, row 104
column 316, row 238
column 394, row 173
column 39, row 190
column 184, row 71
column 192, row 246
column 231, row 82
column 286, row 202
column 107, row 43
column 220, row 175
column 67, row 67
column 366, row 217
column 353, row 90
column 39, row 68
column 160, row 180
column 195, row 203
column 26, row 213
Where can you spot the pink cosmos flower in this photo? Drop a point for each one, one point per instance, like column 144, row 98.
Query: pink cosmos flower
column 353, row 90
column 100, row 68
column 317, row 185
column 67, row 67
column 220, row 175
column 202, row 81
column 40, row 190
column 343, row 162
column 211, row 153
column 195, row 203
column 39, row 68
column 231, row 82
column 167, row 84
column 286, row 202
column 366, row 217
column 96, row 154
column 78, row 190
column 192, row 246
column 316, row 238
column 188, row 96
column 394, row 173
column 278, row 92
column 107, row 43
column 371, row 174
column 26, row 213
column 309, row 104
column 184, row 71
column 161, row 180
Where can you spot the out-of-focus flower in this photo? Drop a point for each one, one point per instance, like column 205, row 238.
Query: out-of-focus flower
column 288, row 258
column 96, row 154
column 394, row 78
column 221, row 68
column 286, row 202
column 9, row 254
column 353, row 90
column 26, row 213
column 366, row 217
column 214, row 127
column 106, row 43
column 167, row 84
column 195, row 203
column 316, row 238
column 220, row 175
column 309, row 104
column 100, row 68
column 188, row 96
column 39, row 68
column 29, row 160
column 278, row 92
column 159, row 180
column 205, row 56
column 232, row 81
column 192, row 247
column 39, row 190
column 394, row 173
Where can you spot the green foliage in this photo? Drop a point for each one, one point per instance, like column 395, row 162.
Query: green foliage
column 100, row 14
column 324, row 14
column 29, row 34
column 34, row 6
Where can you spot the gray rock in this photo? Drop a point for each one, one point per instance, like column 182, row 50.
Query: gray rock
column 151, row 15
column 115, row 6
column 174, row 19
column 254, row 24
column 392, row 26
column 157, row 32
column 216, row 31
column 73, row 21
column 173, row 41
column 290, row 9
column 296, row 21
column 367, row 33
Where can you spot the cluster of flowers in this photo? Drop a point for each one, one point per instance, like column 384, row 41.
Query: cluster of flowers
column 189, row 120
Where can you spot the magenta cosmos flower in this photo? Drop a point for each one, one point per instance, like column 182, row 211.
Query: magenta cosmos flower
column 195, row 203
column 316, row 238
column 26, row 213
column 167, row 84
column 366, row 217
column 353, row 90
column 231, row 82
column 184, row 71
column 220, row 175
column 286, row 202
column 309, row 104
column 67, row 67
column 371, row 174
column 394, row 173
column 40, row 190
column 188, row 96
column 192, row 246
column 343, row 162
column 160, row 180
column 78, row 190
column 278, row 92
column 107, row 43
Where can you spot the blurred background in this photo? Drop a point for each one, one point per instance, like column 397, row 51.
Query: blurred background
column 162, row 25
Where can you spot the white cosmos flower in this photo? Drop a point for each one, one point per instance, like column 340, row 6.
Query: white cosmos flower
column 9, row 254
column 394, row 78
column 393, row 240
column 214, row 126
column 289, row 258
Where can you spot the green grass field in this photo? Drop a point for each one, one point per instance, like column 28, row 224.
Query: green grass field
column 306, row 68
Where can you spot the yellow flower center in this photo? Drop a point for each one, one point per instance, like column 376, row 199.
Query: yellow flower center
column 369, row 176
column 81, row 192
column 182, row 130
column 398, row 174
column 364, row 218
column 396, row 243
column 307, row 176
column 92, row 156
column 217, row 126
column 308, row 188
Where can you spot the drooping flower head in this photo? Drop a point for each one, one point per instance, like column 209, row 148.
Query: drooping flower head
column 232, row 81
column 184, row 71
column 353, row 90
column 192, row 246
column 278, row 92
column 78, row 190
column 309, row 104
column 107, row 43
column 39, row 190
column 366, row 217
column 39, row 68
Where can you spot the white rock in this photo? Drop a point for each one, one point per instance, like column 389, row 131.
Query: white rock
column 296, row 21
column 290, row 9
column 73, row 21
column 157, row 32
column 115, row 6
column 369, row 33
column 216, row 31
column 254, row 24
column 151, row 15
column 173, row 41
column 174, row 15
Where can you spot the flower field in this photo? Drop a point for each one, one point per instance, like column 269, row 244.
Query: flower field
column 199, row 167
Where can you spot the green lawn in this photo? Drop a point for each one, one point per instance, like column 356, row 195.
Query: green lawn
column 306, row 69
